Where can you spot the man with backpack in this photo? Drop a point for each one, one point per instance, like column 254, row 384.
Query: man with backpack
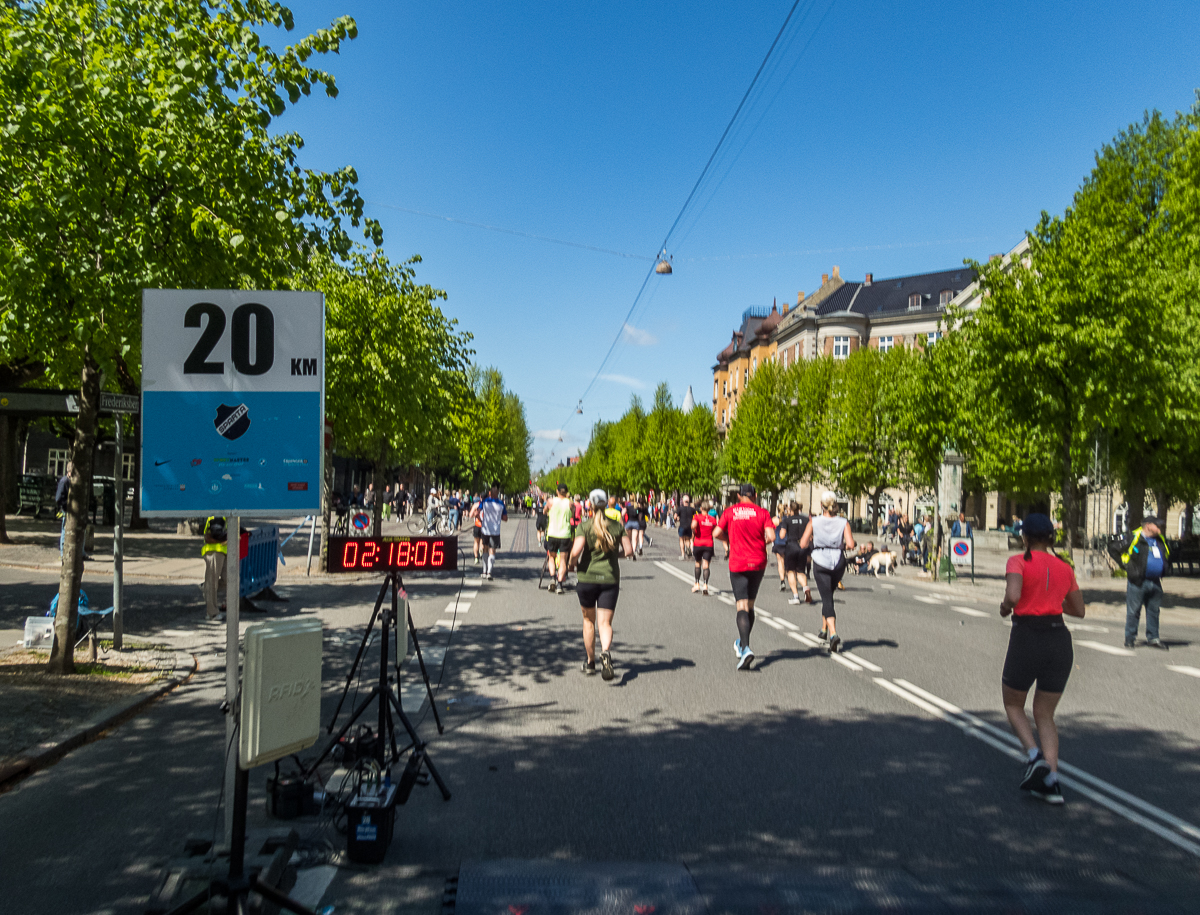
column 1145, row 560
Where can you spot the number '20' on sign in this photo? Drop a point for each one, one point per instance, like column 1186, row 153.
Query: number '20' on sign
column 241, row 340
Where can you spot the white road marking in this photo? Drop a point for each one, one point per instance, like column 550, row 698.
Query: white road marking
column 837, row 657
column 789, row 624
column 1071, row 776
column 1085, row 627
column 470, row 595
column 727, row 600
column 1182, row 669
column 888, row 587
column 969, row 611
column 936, row 601
column 1107, row 649
column 874, row 668
column 463, row 606
column 801, row 637
column 770, row 621
column 443, row 623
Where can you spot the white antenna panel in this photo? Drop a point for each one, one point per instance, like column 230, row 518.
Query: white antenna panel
column 281, row 690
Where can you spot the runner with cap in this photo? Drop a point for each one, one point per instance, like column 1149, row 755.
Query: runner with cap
column 828, row 535
column 748, row 529
column 490, row 511
column 595, row 557
column 703, row 525
column 1039, row 588
column 559, row 512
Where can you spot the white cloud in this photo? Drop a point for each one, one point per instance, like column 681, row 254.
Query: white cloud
column 625, row 380
column 551, row 435
column 638, row 337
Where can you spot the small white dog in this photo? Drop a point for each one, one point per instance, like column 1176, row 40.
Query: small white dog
column 885, row 561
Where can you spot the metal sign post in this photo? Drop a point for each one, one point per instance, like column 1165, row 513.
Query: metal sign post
column 119, row 541
column 232, row 424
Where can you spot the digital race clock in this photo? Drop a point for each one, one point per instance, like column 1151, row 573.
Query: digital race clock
column 390, row 554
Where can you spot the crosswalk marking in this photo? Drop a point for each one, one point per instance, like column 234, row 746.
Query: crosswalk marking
column 462, row 607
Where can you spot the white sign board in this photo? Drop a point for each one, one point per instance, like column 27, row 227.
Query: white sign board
column 961, row 549
column 233, row 402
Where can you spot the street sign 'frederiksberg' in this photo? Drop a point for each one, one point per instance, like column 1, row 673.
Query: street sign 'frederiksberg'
column 232, row 402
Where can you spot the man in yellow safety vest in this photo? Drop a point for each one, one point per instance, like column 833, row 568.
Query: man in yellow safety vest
column 214, row 552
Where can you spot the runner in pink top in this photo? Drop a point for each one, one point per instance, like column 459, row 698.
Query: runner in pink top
column 748, row 529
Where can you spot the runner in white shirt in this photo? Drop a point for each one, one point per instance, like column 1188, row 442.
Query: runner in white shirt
column 491, row 511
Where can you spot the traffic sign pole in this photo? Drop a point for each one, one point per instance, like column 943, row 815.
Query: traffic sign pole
column 119, row 540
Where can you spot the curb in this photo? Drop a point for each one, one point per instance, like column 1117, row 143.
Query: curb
column 50, row 751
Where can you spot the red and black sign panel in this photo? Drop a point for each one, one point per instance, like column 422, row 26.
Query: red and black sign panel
column 391, row 554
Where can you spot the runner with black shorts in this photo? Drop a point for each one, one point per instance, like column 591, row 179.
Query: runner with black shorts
column 779, row 547
column 477, row 529
column 683, row 517
column 643, row 519
column 795, row 558
column 748, row 529
column 703, row 525
column 559, row 512
column 489, row 512
column 1039, row 588
column 594, row 556
column 828, row 534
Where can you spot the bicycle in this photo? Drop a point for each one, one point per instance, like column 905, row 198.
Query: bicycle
column 419, row 524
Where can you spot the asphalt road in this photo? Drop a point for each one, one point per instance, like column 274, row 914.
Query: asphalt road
column 802, row 765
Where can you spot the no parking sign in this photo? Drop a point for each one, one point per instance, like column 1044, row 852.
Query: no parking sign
column 960, row 551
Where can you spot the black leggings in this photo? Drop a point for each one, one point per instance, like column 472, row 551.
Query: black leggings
column 827, row 582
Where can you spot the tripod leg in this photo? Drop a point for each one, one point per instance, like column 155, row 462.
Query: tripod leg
column 342, row 733
column 419, row 748
column 434, row 772
column 358, row 657
column 424, row 673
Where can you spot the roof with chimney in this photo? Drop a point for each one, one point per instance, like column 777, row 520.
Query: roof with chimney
column 756, row 328
column 890, row 297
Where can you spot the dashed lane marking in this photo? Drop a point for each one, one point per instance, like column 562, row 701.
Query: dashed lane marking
column 462, row 607
column 770, row 622
column 836, row 656
column 1183, row 669
column 874, row 668
column 968, row 611
column 470, row 595
column 1085, row 627
column 1107, row 649
column 936, row 601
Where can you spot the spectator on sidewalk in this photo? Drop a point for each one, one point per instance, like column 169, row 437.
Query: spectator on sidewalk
column 961, row 527
column 1145, row 560
column 215, row 553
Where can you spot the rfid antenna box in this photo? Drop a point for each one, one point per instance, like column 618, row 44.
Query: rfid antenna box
column 281, row 690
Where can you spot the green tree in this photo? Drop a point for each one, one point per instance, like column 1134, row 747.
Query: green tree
column 761, row 445
column 137, row 154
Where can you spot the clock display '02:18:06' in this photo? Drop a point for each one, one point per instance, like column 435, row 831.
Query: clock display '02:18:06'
column 361, row 553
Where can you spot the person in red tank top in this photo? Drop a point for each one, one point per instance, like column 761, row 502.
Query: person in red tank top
column 1039, row 588
column 703, row 525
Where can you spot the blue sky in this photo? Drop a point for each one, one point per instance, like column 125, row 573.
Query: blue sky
column 896, row 138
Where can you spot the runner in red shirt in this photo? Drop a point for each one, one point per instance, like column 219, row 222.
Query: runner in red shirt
column 749, row 530
column 703, row 525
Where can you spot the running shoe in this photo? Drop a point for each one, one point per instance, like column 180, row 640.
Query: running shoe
column 782, row 585
column 1129, row 643
column 633, row 556
column 589, row 667
column 823, row 635
column 695, row 587
column 559, row 589
column 705, row 591
column 737, row 648
column 640, row 552
column 606, row 668
column 1157, row 643
column 1051, row 794
column 744, row 659
column 1035, row 771
column 793, row 601
column 491, row 577
column 835, row 643
column 807, row 596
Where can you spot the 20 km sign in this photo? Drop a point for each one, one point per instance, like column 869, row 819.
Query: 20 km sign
column 232, row 402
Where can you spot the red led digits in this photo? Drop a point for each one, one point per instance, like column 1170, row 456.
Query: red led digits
column 353, row 554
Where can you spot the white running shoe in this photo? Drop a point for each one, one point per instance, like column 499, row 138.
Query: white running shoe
column 744, row 659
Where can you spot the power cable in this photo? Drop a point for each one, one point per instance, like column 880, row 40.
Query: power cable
column 687, row 202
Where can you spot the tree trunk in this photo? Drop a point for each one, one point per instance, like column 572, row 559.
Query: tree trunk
column 774, row 501
column 377, row 477
column 1135, row 495
column 6, row 433
column 62, row 653
column 875, row 496
column 1162, row 501
column 1070, row 503
column 1189, row 512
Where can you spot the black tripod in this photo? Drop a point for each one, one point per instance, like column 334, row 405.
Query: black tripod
column 388, row 702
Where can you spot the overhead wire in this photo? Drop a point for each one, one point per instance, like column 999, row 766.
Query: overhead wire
column 687, row 202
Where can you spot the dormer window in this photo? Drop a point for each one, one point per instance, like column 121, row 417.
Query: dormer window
column 944, row 297
column 914, row 301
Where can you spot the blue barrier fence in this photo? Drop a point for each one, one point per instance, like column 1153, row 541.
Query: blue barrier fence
column 259, row 566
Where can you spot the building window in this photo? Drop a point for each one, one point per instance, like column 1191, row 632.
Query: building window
column 841, row 347
column 885, row 344
column 944, row 297
column 56, row 462
column 914, row 301
column 745, row 377
column 933, row 336
column 797, row 352
column 127, row 467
